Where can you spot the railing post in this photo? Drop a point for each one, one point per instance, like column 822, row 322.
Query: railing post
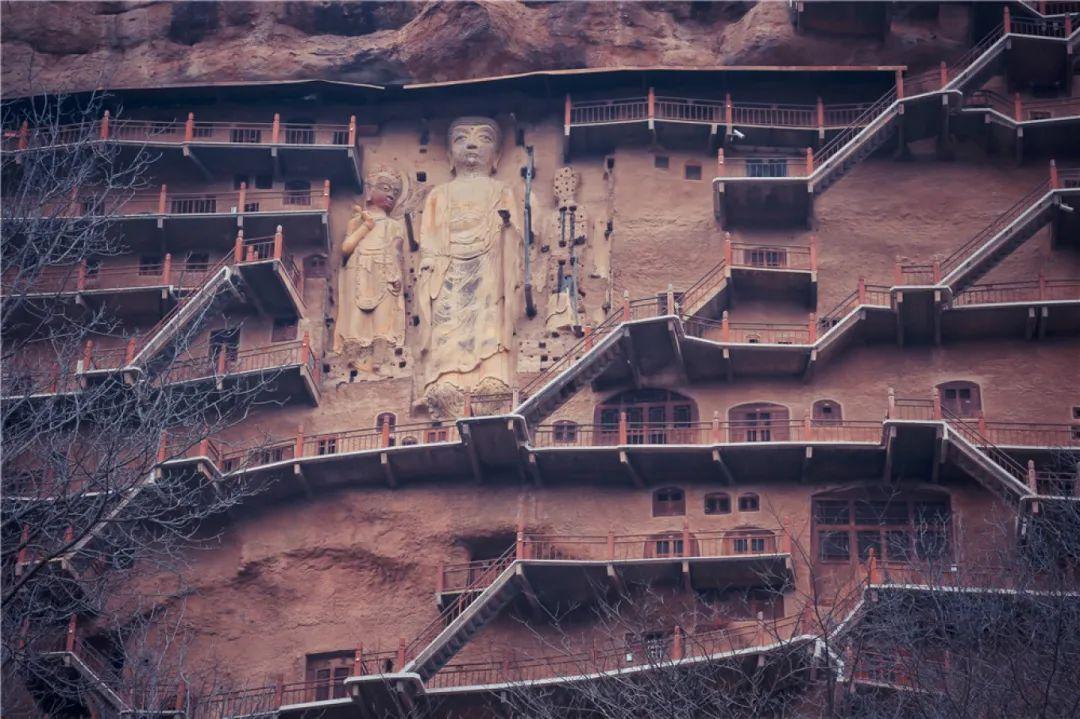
column 729, row 250
column 384, row 432
column 275, row 132
column 1032, row 483
column 440, row 579
column 298, row 443
column 716, row 438
column 105, row 126
column 943, row 71
column 729, row 113
column 1068, row 24
column 401, row 653
column 759, row 639
column 652, row 106
column 809, row 161
column 69, row 640
column 935, row 396
column 80, row 281
column 1018, row 107
column 626, row 306
column 161, row 199
column 588, row 337
column 358, row 655
column 670, row 299
column 872, row 566
column 166, row 268
column 88, row 354
column 1055, row 181
column 129, row 353
column 720, row 162
column 890, row 412
column 687, row 549
column 981, row 422
column 326, row 194
column 24, row 550
column 181, row 696
column 811, row 328
column 610, row 544
column 1006, row 20
column 24, row 135
column 519, row 543
column 813, row 253
column 677, row 644
column 935, row 270
column 898, row 272
column 467, row 408
column 279, row 690
column 189, row 127
column 1042, row 285
column 305, row 348
column 786, row 545
column 808, row 428
column 279, row 243
column 899, row 84
column 352, row 130
column 820, row 117
column 623, row 429
column 242, row 199
column 725, row 327
column 163, row 447
column 238, row 249
column 222, row 352
column 860, row 294
column 566, row 116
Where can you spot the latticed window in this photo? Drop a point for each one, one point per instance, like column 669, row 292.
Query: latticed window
column 960, row 398
column 327, row 445
column 826, row 412
column 718, row 503
column 326, row 673
column 669, row 502
column 759, row 422
column 749, row 502
column 565, row 431
column 150, row 265
column 653, row 416
column 896, row 529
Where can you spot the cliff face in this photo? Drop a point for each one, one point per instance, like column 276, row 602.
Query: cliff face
column 72, row 46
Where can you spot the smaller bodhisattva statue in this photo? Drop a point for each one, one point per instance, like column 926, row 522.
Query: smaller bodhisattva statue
column 372, row 304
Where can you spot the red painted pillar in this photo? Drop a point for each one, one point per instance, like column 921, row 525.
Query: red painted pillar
column 105, row 126
column 891, row 411
column 812, row 328
column 623, row 428
column 670, row 300
column 401, row 653
column 298, row 444
column 181, row 696
column 899, row 84
column 326, row 194
column 519, row 544
column 820, row 117
column 626, row 306
column 88, row 354
column 305, row 349
column 129, row 354
column 720, row 170
column 813, row 253
column 729, row 250
column 238, row 249
column 677, row 644
column 936, row 398
column 166, row 268
column 1042, row 285
column 808, row 429
column 729, row 114
column 279, row 243
column 566, row 115
column 687, row 547
column 69, row 642
column 242, row 198
column 716, row 437
column 80, row 281
column 652, row 105
column 809, row 161
column 1055, row 180
column 358, row 660
column 275, row 132
column 189, row 127
column 725, row 327
column 384, row 432
column 943, row 71
column 981, row 422
column 161, row 199
column 1018, row 107
column 588, row 337
column 352, row 130
column 1006, row 20
column 861, row 292
column 24, row 135
column 935, row 270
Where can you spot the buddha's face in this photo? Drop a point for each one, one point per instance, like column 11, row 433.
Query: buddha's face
column 473, row 147
column 381, row 192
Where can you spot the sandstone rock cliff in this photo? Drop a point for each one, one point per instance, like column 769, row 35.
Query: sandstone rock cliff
column 74, row 46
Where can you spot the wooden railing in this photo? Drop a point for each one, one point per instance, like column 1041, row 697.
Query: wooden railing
column 184, row 132
column 777, row 257
column 864, row 295
column 669, row 544
column 1021, row 110
column 218, row 360
column 116, row 275
column 601, row 112
column 706, row 433
column 1038, row 290
column 770, row 333
column 762, row 166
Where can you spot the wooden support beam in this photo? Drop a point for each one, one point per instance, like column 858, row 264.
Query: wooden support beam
column 688, row 584
column 804, row 470
column 721, row 467
column 890, row 441
column 937, row 310
column 631, row 471
column 615, row 579
column 1032, row 323
column 298, row 472
column 470, row 449
column 528, row 592
column 941, row 454
column 388, row 469
column 1044, row 320
column 532, row 467
column 811, row 363
column 899, row 299
column 631, row 360
column 676, row 347
column 728, row 369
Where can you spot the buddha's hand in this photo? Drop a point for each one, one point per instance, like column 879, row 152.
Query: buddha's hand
column 367, row 219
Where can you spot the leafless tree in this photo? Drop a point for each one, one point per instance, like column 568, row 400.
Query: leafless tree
column 103, row 487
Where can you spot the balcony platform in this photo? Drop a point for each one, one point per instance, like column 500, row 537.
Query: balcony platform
column 275, row 285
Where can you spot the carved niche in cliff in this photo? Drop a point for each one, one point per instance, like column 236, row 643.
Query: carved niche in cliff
column 371, row 316
column 470, row 276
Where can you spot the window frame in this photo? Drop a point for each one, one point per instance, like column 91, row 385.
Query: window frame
column 725, row 500
column 750, row 498
column 669, row 507
column 857, row 529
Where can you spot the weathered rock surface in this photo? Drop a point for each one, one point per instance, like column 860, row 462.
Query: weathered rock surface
column 71, row 46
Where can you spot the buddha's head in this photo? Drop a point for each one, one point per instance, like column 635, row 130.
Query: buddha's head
column 474, row 145
column 383, row 186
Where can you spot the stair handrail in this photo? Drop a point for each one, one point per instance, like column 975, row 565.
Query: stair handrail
column 967, row 250
column 995, row 454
